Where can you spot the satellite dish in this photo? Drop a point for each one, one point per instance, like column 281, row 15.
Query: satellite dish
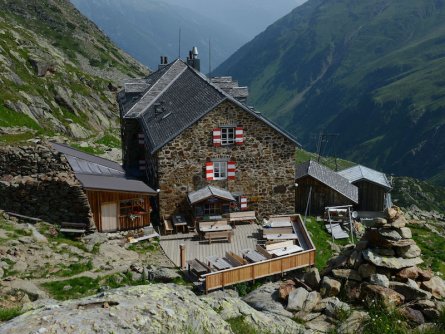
column 354, row 214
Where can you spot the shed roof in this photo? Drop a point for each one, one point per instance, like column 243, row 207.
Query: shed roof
column 360, row 172
column 208, row 192
column 178, row 96
column 328, row 177
column 99, row 173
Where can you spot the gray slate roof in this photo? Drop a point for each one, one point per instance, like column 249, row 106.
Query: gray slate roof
column 185, row 96
column 360, row 172
column 208, row 192
column 328, row 177
column 99, row 173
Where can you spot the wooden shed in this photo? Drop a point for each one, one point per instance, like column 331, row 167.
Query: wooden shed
column 326, row 188
column 117, row 201
column 373, row 187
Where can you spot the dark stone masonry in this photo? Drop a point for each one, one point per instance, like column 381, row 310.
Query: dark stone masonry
column 265, row 163
column 38, row 182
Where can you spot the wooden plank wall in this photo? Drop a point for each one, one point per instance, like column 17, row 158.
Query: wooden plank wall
column 321, row 197
column 96, row 198
column 254, row 271
column 371, row 196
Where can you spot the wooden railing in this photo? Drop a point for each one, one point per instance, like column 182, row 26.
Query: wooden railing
column 257, row 270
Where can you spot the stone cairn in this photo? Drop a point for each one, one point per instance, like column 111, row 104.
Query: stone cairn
column 382, row 266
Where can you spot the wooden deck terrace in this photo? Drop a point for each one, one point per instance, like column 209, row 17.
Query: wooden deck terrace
column 245, row 237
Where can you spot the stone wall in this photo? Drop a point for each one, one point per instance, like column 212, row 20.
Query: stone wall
column 31, row 159
column 265, row 164
column 38, row 182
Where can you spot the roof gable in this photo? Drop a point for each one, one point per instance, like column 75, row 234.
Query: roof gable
column 360, row 172
column 328, row 177
column 208, row 192
column 177, row 99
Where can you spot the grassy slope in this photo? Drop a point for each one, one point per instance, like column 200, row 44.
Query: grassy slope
column 376, row 79
column 84, row 62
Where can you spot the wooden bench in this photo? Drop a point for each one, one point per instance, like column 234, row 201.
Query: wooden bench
column 76, row 228
column 222, row 235
column 197, row 267
column 168, row 226
column 242, row 216
column 278, row 230
column 23, row 217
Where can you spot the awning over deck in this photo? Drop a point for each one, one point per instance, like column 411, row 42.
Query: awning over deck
column 208, row 192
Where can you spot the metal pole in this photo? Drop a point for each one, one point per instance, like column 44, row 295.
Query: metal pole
column 350, row 225
column 330, row 223
column 307, row 204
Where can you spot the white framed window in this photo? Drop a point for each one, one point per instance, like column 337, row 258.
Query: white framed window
column 228, row 136
column 219, row 170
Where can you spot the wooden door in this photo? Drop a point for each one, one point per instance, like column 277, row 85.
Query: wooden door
column 109, row 217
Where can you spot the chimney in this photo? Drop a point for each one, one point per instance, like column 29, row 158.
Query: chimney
column 164, row 62
column 193, row 59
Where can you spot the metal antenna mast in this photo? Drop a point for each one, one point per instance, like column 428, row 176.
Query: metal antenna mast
column 179, row 51
column 210, row 58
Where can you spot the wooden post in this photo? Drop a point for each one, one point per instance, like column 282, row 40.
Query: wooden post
column 182, row 258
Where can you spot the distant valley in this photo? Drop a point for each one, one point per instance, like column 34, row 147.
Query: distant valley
column 147, row 29
column 371, row 71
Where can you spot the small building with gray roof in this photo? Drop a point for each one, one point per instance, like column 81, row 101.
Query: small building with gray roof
column 325, row 186
column 373, row 187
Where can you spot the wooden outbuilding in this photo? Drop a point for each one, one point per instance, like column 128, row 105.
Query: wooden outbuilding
column 373, row 187
column 326, row 188
column 117, row 201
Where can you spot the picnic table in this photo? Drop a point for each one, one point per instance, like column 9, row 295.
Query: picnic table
column 215, row 228
column 286, row 250
column 197, row 267
column 254, row 256
column 179, row 222
column 285, row 236
column 218, row 262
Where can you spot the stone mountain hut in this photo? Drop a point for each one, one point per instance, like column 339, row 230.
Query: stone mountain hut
column 184, row 132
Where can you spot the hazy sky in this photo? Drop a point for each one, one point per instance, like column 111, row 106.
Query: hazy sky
column 249, row 17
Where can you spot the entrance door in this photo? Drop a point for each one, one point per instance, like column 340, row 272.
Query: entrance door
column 109, row 217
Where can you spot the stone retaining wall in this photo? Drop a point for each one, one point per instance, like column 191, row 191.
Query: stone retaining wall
column 38, row 182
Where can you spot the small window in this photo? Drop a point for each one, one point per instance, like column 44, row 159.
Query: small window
column 219, row 170
column 212, row 209
column 227, row 136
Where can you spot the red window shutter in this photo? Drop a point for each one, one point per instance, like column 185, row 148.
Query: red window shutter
column 243, row 203
column 239, row 135
column 217, row 137
column 231, row 169
column 209, row 171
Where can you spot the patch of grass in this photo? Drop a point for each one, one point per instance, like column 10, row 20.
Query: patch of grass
column 432, row 247
column 385, row 321
column 75, row 268
column 9, row 313
column 80, row 287
column 239, row 326
column 9, row 118
column 145, row 247
column 320, row 237
column 109, row 141
column 247, row 287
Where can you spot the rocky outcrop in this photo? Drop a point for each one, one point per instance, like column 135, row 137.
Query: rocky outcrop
column 161, row 308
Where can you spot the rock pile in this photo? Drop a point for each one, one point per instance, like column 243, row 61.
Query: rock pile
column 383, row 266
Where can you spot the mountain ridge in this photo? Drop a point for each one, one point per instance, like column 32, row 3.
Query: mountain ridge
column 374, row 79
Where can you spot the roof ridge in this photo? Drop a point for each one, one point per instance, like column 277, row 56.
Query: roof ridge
column 155, row 84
